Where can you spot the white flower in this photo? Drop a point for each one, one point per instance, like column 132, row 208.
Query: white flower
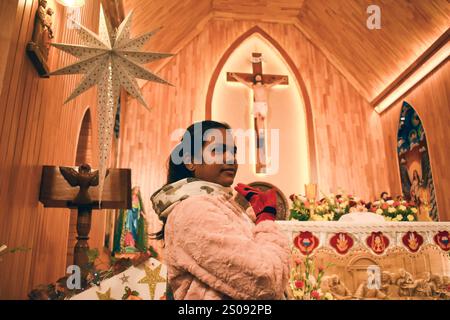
column 379, row 211
column 390, row 202
column 402, row 208
column 328, row 296
column 399, row 217
column 388, row 218
column 343, row 205
column 410, row 217
column 391, row 210
column 376, row 203
column 414, row 210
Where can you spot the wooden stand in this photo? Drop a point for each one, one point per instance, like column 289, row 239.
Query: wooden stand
column 56, row 192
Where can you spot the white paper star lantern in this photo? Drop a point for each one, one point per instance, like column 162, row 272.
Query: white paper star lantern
column 110, row 60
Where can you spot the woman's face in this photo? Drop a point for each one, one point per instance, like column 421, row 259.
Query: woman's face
column 219, row 158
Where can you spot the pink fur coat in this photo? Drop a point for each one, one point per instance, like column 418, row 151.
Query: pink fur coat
column 214, row 250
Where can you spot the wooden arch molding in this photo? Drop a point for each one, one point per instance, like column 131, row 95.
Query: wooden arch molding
column 298, row 78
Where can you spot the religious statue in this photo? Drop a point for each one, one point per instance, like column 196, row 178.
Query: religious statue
column 131, row 230
column 423, row 287
column 338, row 289
column 43, row 33
column 47, row 33
column 260, row 95
column 260, row 84
column 405, row 282
column 84, row 179
column 387, row 285
column 371, row 288
column 415, row 186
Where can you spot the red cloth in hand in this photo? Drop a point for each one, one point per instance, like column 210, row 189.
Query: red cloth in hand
column 263, row 203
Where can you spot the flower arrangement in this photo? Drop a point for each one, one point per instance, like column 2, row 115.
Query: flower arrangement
column 332, row 207
column 395, row 210
column 329, row 208
column 305, row 280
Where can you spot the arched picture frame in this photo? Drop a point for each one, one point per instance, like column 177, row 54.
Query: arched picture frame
column 414, row 163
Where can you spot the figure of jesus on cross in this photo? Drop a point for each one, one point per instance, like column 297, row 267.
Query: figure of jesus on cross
column 260, row 84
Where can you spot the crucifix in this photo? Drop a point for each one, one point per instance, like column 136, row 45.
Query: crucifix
column 260, row 84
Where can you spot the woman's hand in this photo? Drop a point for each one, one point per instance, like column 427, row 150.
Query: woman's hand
column 263, row 203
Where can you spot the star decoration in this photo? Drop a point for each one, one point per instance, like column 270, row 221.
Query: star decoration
column 104, row 296
column 110, row 60
column 152, row 278
column 124, row 278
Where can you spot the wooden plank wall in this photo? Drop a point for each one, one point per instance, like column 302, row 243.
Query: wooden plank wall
column 349, row 141
column 37, row 129
column 431, row 100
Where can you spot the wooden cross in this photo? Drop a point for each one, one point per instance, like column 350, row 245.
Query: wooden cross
column 260, row 122
column 69, row 187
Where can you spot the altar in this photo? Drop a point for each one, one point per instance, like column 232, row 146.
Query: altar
column 368, row 260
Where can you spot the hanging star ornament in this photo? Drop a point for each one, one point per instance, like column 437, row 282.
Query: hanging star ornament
column 110, row 60
column 152, row 278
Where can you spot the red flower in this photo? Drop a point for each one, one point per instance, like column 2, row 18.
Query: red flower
column 299, row 284
column 292, row 197
column 373, row 209
column 315, row 294
column 384, row 206
column 396, row 204
column 321, row 269
column 307, row 205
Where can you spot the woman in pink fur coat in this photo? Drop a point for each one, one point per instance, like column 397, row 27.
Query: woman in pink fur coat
column 213, row 248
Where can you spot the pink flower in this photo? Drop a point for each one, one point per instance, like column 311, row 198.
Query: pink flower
column 396, row 204
column 321, row 269
column 298, row 261
column 299, row 284
column 315, row 294
column 384, row 206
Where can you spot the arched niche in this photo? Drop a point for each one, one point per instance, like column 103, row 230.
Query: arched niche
column 414, row 164
column 275, row 61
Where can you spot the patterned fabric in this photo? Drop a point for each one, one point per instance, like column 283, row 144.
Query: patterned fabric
column 166, row 198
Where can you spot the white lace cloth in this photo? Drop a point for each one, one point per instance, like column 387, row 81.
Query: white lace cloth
column 361, row 225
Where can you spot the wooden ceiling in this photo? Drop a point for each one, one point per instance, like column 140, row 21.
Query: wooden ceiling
column 369, row 59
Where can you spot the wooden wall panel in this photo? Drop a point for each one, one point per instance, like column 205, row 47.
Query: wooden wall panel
column 37, row 129
column 431, row 100
column 7, row 17
column 349, row 143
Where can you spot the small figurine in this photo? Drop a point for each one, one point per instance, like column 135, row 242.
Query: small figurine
column 84, row 179
column 39, row 46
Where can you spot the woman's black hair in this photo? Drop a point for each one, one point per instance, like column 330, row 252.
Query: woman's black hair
column 178, row 171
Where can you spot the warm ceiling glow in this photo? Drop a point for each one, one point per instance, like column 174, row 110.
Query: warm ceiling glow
column 71, row 3
column 435, row 60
